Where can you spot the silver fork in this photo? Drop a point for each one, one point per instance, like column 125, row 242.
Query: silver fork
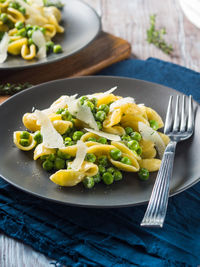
column 178, row 130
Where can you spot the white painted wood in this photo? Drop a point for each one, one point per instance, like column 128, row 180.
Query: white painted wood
column 128, row 19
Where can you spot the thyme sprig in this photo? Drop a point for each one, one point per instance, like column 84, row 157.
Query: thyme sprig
column 11, row 88
column 155, row 36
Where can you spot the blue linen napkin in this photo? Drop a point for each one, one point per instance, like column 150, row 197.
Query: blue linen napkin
column 112, row 237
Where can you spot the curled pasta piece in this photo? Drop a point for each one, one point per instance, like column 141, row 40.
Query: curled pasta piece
column 88, row 135
column 15, row 47
column 30, row 122
column 62, row 126
column 14, row 15
column 100, row 149
column 28, row 53
column 70, row 177
column 134, row 167
column 4, row 4
column 113, row 118
column 124, row 149
column 41, row 150
column 50, row 30
column 54, row 11
column 148, row 150
column 13, row 32
column 16, row 139
column 3, row 28
column 15, row 38
column 106, row 99
column 130, row 120
column 52, row 20
column 165, row 138
column 115, row 130
column 153, row 115
column 151, row 165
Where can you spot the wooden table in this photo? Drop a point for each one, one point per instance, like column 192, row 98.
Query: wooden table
column 128, row 19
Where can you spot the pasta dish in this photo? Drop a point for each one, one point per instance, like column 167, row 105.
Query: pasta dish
column 27, row 28
column 94, row 138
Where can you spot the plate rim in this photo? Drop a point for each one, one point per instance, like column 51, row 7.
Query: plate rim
column 91, row 205
column 39, row 64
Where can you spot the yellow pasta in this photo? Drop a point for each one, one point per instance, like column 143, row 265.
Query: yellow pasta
column 28, row 53
column 78, row 152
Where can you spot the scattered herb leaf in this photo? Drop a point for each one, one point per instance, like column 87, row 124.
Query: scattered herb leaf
column 155, row 36
column 11, row 89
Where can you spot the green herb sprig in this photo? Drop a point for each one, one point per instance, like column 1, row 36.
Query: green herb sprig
column 155, row 36
column 11, row 89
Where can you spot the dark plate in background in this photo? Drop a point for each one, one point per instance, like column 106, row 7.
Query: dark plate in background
column 18, row 168
column 82, row 25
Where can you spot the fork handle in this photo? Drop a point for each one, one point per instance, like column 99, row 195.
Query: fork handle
column 157, row 207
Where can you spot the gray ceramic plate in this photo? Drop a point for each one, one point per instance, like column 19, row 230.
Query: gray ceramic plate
column 18, row 168
column 81, row 23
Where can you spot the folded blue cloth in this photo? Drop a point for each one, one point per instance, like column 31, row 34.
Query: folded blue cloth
column 112, row 237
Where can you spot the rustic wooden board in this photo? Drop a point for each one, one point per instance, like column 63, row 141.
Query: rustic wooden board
column 105, row 50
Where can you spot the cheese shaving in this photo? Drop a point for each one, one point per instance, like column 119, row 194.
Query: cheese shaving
column 80, row 156
column 149, row 134
column 51, row 138
column 112, row 137
column 39, row 40
column 4, row 47
column 121, row 102
column 103, row 94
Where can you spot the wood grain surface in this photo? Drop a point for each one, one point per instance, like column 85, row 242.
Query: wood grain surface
column 128, row 19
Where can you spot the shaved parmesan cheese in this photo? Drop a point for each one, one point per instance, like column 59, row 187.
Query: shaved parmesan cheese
column 39, row 40
column 112, row 137
column 80, row 156
column 82, row 113
column 121, row 102
column 4, row 47
column 51, row 138
column 103, row 94
column 149, row 134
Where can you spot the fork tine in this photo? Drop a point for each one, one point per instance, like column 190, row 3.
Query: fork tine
column 183, row 116
column 176, row 116
column 190, row 115
column 168, row 120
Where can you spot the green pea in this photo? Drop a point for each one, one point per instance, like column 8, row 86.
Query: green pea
column 136, row 136
column 14, row 5
column 102, row 140
column 49, row 48
column 51, row 157
column 47, row 165
column 35, row 28
column 66, row 115
column 97, row 178
column 90, row 157
column 103, row 160
column 82, row 99
column 126, row 137
column 128, row 130
column 57, row 49
column 19, row 25
column 89, row 104
column 24, row 142
column 111, row 170
column 25, row 135
column 116, row 154
column 101, row 169
column 104, row 108
column 38, row 137
column 88, row 182
column 59, row 163
column 117, row 175
column 143, row 174
column 63, row 155
column 29, row 27
column 99, row 125
column 92, row 139
column 133, row 145
column 77, row 135
column 22, row 32
column 44, row 157
column 60, row 110
column 100, row 115
column 4, row 17
column 139, row 151
column 68, row 141
column 22, row 10
column 30, row 41
column 108, row 178
column 94, row 101
column 154, row 124
column 126, row 161
column 43, row 30
column 29, row 33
